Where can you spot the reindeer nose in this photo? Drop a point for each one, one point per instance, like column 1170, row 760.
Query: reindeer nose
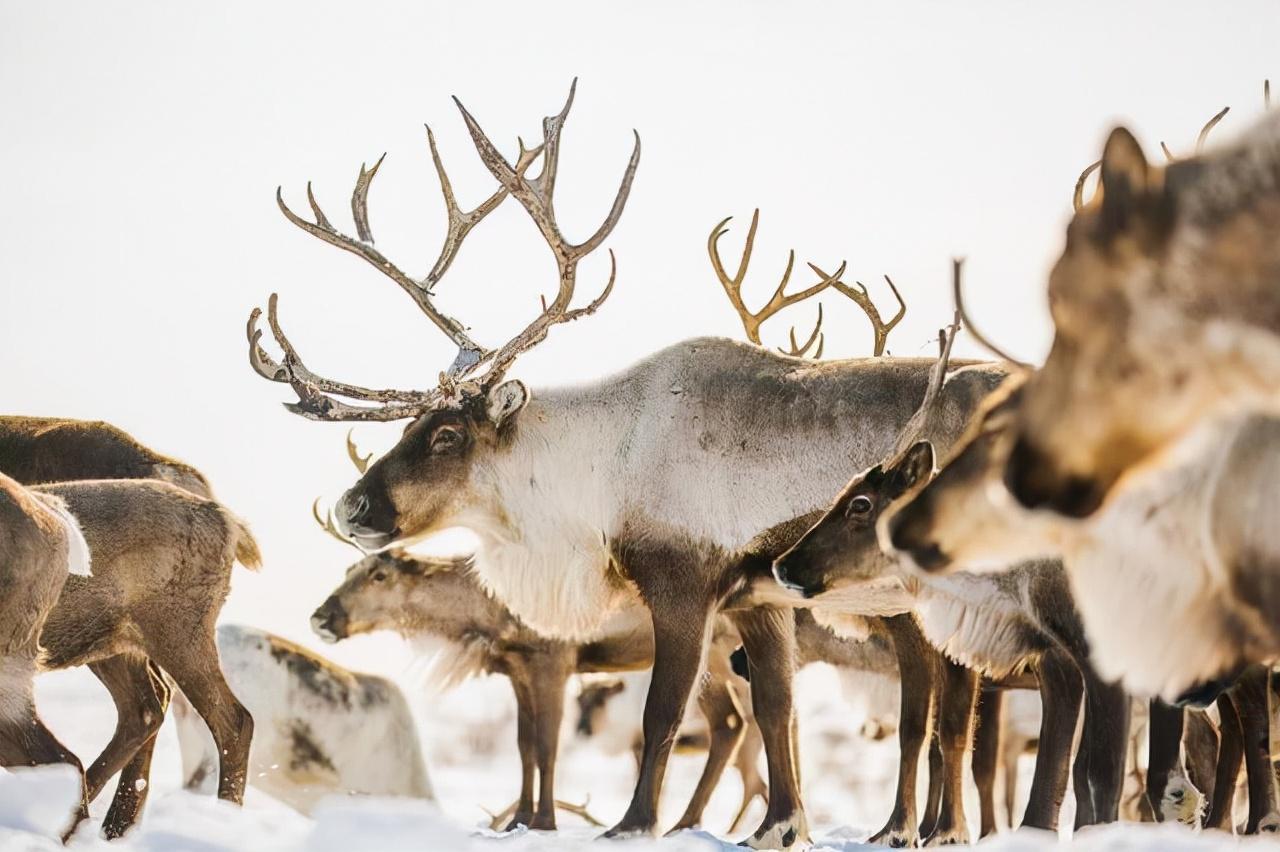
column 329, row 621
column 354, row 510
column 782, row 573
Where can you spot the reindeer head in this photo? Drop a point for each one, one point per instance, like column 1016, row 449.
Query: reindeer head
column 842, row 550
column 1157, row 270
column 962, row 516
column 426, row 480
column 394, row 590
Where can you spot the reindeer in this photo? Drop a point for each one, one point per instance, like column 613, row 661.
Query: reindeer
column 42, row 545
column 639, row 488
column 162, row 567
column 1024, row 621
column 58, row 449
column 1164, row 576
column 1166, row 316
column 320, row 729
column 37, row 450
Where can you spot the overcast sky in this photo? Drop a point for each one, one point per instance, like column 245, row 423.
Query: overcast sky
column 142, row 144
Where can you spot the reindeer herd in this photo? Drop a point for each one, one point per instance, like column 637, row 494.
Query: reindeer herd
column 1099, row 530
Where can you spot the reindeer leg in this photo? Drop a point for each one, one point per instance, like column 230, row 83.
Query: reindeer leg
column 955, row 728
column 1230, row 756
column 768, row 635
column 933, row 797
column 918, row 674
column 134, row 785
column 725, row 724
column 1200, row 742
column 195, row 668
column 680, row 634
column 747, row 762
column 986, row 754
column 1165, row 749
column 548, row 689
column 24, row 739
column 1104, row 740
column 140, row 710
column 526, row 734
column 1250, row 696
column 1061, row 689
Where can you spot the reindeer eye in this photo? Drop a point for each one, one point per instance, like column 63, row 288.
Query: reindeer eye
column 859, row 506
column 446, row 440
column 379, row 576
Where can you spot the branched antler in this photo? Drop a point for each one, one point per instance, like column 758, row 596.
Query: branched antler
column 858, row 293
column 802, row 351
column 317, row 394
column 353, row 453
column 732, row 285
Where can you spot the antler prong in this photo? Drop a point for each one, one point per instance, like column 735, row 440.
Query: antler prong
column 1208, row 126
column 360, row 200
column 802, row 351
column 957, row 293
column 862, row 298
column 1077, row 197
column 353, row 453
column 326, row 523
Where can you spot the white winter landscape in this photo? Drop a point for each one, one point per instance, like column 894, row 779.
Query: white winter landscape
column 469, row 739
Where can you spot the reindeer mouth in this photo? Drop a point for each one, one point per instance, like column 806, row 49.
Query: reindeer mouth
column 370, row 540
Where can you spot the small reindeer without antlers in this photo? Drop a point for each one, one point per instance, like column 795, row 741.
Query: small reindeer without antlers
column 318, row 397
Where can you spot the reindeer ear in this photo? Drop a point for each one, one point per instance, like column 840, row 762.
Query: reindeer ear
column 1126, row 180
column 916, row 466
column 505, row 400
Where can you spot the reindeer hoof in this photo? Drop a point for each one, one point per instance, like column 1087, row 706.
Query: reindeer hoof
column 948, row 837
column 543, row 822
column 789, row 833
column 518, row 821
column 896, row 838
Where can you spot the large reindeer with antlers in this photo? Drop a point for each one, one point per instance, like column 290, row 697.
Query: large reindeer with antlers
column 639, row 487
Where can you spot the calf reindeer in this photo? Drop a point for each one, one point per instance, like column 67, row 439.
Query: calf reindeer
column 41, row 546
column 1166, row 309
column 162, row 561
column 319, row 729
column 1022, row 620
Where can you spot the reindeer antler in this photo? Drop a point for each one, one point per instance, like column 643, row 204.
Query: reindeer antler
column 802, row 351
column 326, row 523
column 732, row 285
column 316, row 394
column 923, row 419
column 858, row 293
column 956, row 265
column 353, row 453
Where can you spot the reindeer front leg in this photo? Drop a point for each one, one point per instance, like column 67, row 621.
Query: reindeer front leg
column 680, row 633
column 918, row 673
column 955, row 733
column 526, row 733
column 548, row 695
column 1250, row 696
column 768, row 636
column 1061, row 689
column 1103, row 748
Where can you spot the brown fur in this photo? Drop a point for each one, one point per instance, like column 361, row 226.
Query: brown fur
column 162, row 561
column 58, row 449
column 34, row 550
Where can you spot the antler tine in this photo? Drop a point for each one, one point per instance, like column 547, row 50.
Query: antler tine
column 780, row 299
column 326, row 523
column 919, row 426
column 535, row 195
column 1208, row 126
column 1266, row 94
column 360, row 199
column 315, row 392
column 858, row 293
column 802, row 351
column 362, row 246
column 353, row 453
column 956, row 265
column 1077, row 197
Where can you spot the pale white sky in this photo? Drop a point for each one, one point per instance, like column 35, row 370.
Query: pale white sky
column 142, row 144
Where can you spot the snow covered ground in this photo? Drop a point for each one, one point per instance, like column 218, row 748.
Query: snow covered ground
column 468, row 735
